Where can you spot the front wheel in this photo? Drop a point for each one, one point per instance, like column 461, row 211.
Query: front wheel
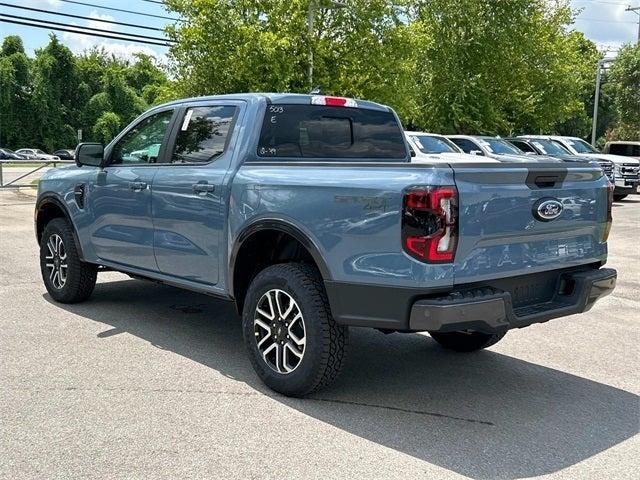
column 466, row 341
column 294, row 344
column 67, row 278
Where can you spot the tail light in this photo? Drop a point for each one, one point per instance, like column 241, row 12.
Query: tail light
column 430, row 223
column 607, row 228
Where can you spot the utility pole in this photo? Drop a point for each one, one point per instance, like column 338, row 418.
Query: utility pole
column 596, row 100
column 635, row 10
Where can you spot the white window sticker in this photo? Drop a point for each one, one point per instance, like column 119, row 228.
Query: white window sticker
column 418, row 143
column 187, row 119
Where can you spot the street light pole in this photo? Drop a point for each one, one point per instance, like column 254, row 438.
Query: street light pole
column 596, row 100
column 310, row 20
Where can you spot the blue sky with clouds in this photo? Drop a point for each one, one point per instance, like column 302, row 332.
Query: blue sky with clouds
column 604, row 21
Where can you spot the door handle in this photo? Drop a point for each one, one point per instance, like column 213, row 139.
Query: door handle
column 203, row 188
column 137, row 186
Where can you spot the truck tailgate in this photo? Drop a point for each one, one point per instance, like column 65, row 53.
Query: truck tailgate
column 501, row 232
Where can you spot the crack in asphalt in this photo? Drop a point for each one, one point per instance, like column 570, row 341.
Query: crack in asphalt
column 404, row 410
column 275, row 397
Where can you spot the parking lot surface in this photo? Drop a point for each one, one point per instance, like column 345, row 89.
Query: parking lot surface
column 148, row 381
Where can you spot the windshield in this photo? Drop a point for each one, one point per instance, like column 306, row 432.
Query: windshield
column 40, row 152
column 581, row 146
column 550, row 147
column 431, row 144
column 500, row 147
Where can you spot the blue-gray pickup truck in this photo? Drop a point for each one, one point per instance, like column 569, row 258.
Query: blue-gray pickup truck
column 306, row 211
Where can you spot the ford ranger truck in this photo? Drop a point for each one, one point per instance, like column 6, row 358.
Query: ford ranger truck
column 307, row 212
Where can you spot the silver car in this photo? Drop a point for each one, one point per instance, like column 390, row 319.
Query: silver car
column 36, row 154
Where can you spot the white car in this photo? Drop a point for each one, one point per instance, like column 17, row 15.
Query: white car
column 497, row 148
column 36, row 154
column 433, row 148
column 626, row 169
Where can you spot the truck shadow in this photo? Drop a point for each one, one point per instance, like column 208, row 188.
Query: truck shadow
column 484, row 415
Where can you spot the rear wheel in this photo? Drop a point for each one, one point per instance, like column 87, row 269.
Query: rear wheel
column 617, row 198
column 466, row 341
column 67, row 278
column 294, row 344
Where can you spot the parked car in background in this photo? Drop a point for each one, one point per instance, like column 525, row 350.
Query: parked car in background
column 6, row 154
column 626, row 148
column 36, row 154
column 495, row 147
column 626, row 169
column 65, row 154
column 306, row 211
column 547, row 146
column 430, row 148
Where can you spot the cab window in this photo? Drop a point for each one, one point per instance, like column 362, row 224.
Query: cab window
column 142, row 144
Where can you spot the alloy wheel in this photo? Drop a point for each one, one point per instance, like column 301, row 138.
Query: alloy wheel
column 279, row 331
column 56, row 261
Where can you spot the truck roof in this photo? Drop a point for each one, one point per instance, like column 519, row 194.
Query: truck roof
column 275, row 98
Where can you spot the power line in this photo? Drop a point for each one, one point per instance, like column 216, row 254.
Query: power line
column 49, row 12
column 603, row 2
column 146, row 37
column 122, row 10
column 154, row 1
column 601, row 20
column 81, row 32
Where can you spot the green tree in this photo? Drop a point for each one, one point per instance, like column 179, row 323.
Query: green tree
column 55, row 84
column 496, row 67
column 362, row 50
column 15, row 93
column 624, row 78
column 106, row 127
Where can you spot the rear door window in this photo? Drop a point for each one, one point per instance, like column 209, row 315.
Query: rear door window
column 524, row 146
column 466, row 145
column 315, row 131
column 203, row 134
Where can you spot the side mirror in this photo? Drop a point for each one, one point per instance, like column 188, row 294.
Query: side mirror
column 91, row 154
column 412, row 152
column 476, row 152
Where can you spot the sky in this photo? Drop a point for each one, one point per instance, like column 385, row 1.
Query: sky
column 604, row 21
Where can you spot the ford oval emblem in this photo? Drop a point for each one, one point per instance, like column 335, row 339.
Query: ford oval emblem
column 547, row 209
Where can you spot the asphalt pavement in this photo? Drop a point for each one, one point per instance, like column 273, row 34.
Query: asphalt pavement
column 148, row 381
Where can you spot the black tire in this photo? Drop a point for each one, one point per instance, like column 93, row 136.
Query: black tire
column 80, row 277
column 325, row 348
column 617, row 198
column 466, row 341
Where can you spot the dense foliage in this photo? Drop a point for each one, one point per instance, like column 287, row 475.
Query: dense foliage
column 473, row 66
column 624, row 83
column 44, row 101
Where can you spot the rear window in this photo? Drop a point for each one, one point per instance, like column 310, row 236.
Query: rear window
column 625, row 149
column 314, row 131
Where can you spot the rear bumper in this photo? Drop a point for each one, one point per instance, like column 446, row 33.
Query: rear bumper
column 490, row 310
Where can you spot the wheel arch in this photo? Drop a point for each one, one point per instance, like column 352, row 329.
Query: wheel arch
column 262, row 227
column 48, row 208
